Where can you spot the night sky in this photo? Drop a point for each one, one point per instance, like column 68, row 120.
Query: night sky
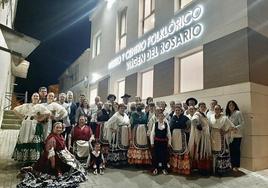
column 63, row 28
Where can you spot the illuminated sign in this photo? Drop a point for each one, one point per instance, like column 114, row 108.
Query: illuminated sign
column 180, row 30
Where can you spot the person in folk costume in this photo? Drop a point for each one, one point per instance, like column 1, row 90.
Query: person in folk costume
column 125, row 98
column 179, row 125
column 57, row 167
column 29, row 145
column 210, row 111
column 199, row 143
column 66, row 120
column 42, row 94
column 80, row 138
column 71, row 109
column 94, row 108
column 111, row 98
column 96, row 159
column 81, row 100
column 95, row 126
column 153, row 120
column 139, row 152
column 191, row 112
column 235, row 115
column 132, row 109
column 171, row 110
column 160, row 141
column 189, row 102
column 83, row 109
column 58, row 113
column 118, row 136
column 163, row 106
column 137, row 100
column 220, row 133
column 103, row 116
column 148, row 101
column 151, row 110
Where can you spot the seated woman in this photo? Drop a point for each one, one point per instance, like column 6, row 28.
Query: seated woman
column 80, row 137
column 57, row 167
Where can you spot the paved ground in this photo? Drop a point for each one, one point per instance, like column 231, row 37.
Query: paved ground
column 131, row 178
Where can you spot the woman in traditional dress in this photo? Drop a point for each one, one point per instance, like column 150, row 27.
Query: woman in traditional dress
column 160, row 140
column 221, row 127
column 57, row 167
column 30, row 141
column 118, row 137
column 199, row 143
column 80, row 137
column 102, row 117
column 84, row 109
column 139, row 151
column 191, row 111
column 58, row 113
column 179, row 159
column 235, row 115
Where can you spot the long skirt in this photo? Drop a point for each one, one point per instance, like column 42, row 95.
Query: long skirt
column 180, row 163
column 104, row 142
column 160, row 154
column 81, row 149
column 235, row 152
column 72, row 169
column 179, row 157
column 221, row 163
column 118, row 147
column 117, row 157
column 31, row 151
column 139, row 152
column 204, row 165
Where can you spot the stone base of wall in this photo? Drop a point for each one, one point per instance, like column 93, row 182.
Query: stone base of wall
column 252, row 100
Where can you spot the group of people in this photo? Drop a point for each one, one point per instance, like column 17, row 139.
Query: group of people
column 184, row 137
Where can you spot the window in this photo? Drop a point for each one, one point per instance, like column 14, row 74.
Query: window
column 191, row 72
column 121, row 90
column 148, row 15
column 96, row 44
column 93, row 94
column 179, row 4
column 147, row 84
column 122, row 29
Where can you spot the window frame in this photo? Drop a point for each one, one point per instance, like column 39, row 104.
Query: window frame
column 152, row 12
column 121, row 35
column 180, row 70
column 177, row 5
column 141, row 82
column 118, row 94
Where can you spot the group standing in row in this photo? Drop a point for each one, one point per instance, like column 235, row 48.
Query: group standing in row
column 184, row 138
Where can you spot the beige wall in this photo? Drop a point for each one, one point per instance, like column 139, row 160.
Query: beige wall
column 253, row 102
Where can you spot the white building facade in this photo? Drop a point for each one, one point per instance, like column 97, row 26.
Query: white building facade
column 14, row 48
column 175, row 49
column 75, row 77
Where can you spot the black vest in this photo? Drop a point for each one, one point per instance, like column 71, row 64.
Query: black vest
column 162, row 134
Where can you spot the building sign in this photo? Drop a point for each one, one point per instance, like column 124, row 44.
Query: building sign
column 180, row 30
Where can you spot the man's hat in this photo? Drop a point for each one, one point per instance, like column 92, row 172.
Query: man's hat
column 110, row 96
column 126, row 96
column 189, row 99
